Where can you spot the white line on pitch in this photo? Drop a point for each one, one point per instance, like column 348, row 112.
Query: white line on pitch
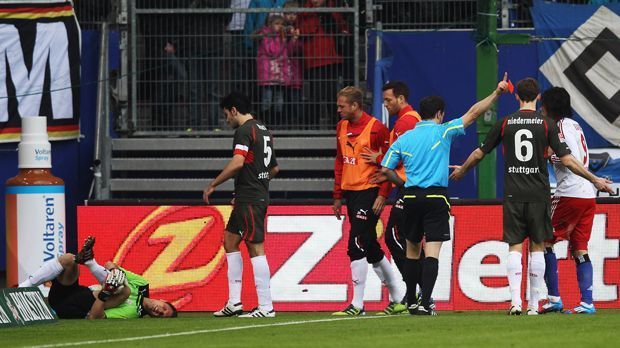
column 195, row 332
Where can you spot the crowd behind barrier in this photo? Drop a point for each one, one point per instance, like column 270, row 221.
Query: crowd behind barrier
column 290, row 63
column 290, row 60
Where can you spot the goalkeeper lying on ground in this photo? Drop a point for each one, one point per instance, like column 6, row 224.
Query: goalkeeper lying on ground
column 122, row 294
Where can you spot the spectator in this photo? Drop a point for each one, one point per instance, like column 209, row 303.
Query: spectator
column 241, row 56
column 173, row 90
column 323, row 62
column 273, row 66
column 152, row 32
column 293, row 91
column 203, row 41
column 255, row 21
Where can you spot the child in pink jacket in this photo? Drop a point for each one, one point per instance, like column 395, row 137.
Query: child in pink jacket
column 274, row 66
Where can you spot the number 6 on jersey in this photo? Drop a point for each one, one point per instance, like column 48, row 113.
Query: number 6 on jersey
column 521, row 143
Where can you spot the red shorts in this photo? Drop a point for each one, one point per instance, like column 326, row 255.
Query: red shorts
column 572, row 220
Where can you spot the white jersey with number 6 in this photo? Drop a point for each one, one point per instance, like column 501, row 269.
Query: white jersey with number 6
column 570, row 184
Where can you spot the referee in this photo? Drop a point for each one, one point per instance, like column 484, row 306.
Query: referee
column 425, row 153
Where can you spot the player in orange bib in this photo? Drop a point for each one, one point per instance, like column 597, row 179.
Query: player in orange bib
column 356, row 132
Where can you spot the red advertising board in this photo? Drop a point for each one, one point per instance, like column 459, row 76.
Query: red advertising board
column 179, row 250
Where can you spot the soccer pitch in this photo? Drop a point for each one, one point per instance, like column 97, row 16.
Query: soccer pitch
column 456, row 329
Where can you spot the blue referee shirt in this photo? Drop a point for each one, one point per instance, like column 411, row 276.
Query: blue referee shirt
column 425, row 152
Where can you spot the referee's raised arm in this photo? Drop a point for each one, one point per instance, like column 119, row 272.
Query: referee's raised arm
column 458, row 172
column 480, row 107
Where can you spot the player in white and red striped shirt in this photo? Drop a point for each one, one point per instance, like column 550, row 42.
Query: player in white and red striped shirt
column 572, row 207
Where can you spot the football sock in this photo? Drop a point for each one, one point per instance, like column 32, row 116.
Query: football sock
column 262, row 277
column 98, row 271
column 551, row 273
column 235, row 274
column 50, row 270
column 421, row 278
column 537, row 273
column 359, row 272
column 429, row 276
column 584, row 277
column 384, row 271
column 515, row 276
column 412, row 278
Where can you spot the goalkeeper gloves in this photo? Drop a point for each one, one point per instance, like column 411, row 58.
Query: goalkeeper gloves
column 113, row 284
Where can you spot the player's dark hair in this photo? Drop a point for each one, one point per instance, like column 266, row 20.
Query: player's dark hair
column 527, row 89
column 398, row 88
column 430, row 105
column 556, row 102
column 291, row 3
column 237, row 100
column 175, row 313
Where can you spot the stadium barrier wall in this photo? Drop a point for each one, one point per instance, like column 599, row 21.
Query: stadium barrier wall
column 179, row 250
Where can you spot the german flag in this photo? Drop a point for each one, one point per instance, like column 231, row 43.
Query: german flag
column 35, row 11
column 13, row 134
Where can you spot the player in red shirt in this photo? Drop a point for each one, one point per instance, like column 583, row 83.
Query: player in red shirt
column 395, row 100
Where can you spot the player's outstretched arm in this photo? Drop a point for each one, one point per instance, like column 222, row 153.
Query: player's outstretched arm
column 474, row 158
column 231, row 169
column 485, row 104
column 576, row 167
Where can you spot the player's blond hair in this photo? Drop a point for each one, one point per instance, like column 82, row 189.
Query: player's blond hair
column 353, row 95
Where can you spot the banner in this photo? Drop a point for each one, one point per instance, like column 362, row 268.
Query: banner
column 39, row 68
column 179, row 250
column 583, row 56
column 23, row 306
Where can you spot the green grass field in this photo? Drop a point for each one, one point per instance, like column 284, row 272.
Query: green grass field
column 464, row 329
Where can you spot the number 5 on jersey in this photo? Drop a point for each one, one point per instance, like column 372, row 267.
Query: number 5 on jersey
column 267, row 150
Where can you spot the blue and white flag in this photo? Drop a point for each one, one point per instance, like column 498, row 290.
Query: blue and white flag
column 582, row 54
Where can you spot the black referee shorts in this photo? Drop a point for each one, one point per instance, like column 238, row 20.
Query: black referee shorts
column 70, row 301
column 427, row 214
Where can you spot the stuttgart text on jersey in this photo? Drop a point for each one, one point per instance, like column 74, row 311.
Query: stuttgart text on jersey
column 523, row 170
